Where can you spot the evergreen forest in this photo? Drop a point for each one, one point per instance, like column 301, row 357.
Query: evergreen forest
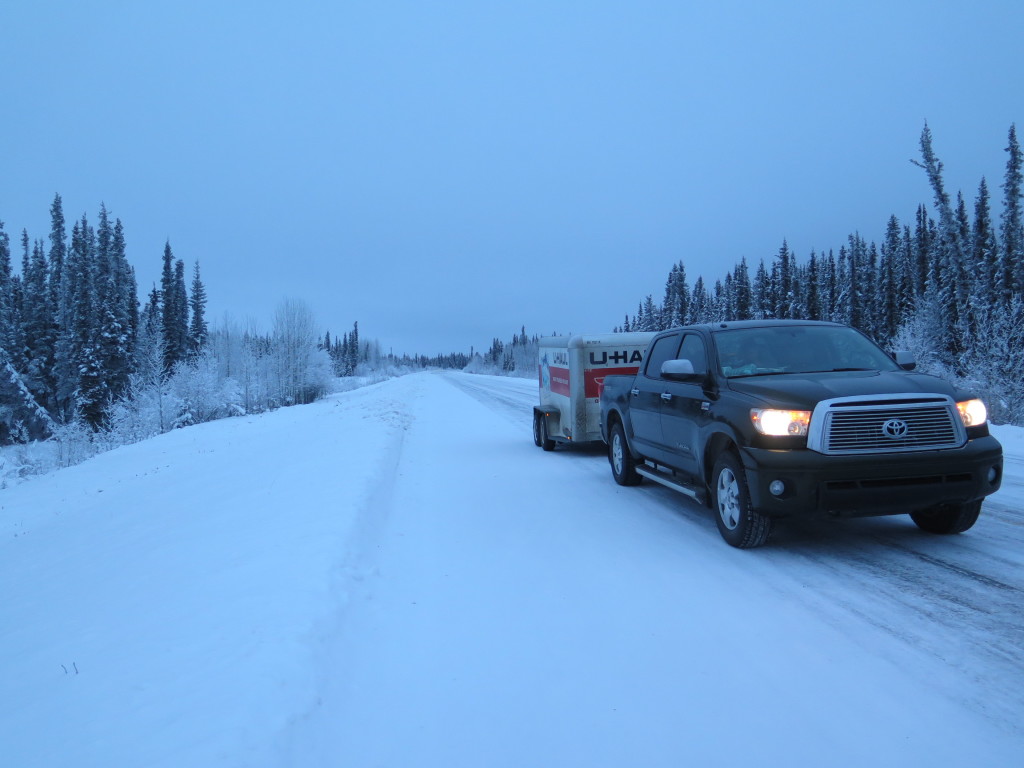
column 948, row 285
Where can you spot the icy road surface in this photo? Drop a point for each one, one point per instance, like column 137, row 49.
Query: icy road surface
column 397, row 576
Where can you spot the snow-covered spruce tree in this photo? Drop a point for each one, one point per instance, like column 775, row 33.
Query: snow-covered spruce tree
column 872, row 318
column 76, row 330
column 1012, row 229
column 649, row 317
column 128, row 285
column 676, row 307
column 174, row 310
column 718, row 304
column 986, row 287
column 61, row 374
column 761, row 294
column 92, row 392
column 742, row 295
column 947, row 257
column 113, row 293
column 925, row 233
column 198, row 330
column 352, row 355
column 699, row 302
column 7, row 300
column 728, row 298
column 21, row 417
column 37, row 320
column 783, row 283
column 18, row 342
column 887, row 292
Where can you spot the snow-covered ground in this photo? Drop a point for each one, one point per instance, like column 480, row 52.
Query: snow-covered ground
column 396, row 576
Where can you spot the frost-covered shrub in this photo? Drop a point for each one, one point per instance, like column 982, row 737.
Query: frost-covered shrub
column 919, row 334
column 75, row 442
column 26, row 459
column 201, row 393
column 995, row 365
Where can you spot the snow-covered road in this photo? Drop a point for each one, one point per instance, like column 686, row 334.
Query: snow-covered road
column 398, row 576
column 877, row 571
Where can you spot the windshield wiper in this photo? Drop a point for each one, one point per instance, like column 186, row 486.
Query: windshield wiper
column 760, row 373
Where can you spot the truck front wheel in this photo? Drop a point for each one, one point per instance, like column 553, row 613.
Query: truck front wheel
column 623, row 464
column 950, row 518
column 739, row 525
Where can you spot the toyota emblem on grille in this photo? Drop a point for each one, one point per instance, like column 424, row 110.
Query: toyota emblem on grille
column 895, row 428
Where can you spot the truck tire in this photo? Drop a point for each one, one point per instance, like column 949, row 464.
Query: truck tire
column 950, row 518
column 740, row 526
column 540, row 432
column 623, row 464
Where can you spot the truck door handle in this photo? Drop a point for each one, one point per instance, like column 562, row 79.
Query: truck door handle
column 666, row 396
column 634, row 392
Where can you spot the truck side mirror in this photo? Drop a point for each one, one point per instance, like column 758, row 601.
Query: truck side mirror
column 906, row 360
column 679, row 370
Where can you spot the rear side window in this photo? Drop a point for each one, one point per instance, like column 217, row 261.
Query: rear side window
column 663, row 349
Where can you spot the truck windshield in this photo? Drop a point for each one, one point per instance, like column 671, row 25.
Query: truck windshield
column 792, row 349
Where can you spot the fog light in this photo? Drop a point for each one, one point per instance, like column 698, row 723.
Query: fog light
column 993, row 473
column 777, row 488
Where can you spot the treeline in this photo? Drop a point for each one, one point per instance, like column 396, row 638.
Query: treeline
column 69, row 325
column 517, row 357
column 80, row 360
column 949, row 289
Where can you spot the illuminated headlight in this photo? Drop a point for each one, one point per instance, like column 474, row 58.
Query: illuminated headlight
column 973, row 412
column 780, row 423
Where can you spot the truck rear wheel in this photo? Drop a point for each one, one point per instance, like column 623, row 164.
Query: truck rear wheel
column 949, row 518
column 540, row 432
column 739, row 525
column 623, row 464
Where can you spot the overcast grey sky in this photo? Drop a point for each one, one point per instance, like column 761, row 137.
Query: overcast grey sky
column 445, row 172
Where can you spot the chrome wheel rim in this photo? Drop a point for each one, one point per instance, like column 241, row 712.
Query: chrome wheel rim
column 729, row 499
column 617, row 453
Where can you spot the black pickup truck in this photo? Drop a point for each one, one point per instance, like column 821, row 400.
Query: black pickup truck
column 787, row 418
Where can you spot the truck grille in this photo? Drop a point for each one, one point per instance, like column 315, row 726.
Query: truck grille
column 893, row 425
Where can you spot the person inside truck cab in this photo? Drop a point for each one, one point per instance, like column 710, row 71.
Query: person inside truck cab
column 744, row 354
column 730, row 358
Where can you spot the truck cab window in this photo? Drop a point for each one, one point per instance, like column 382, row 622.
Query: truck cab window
column 663, row 349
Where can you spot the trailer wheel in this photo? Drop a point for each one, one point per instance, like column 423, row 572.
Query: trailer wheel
column 949, row 518
column 540, row 432
column 623, row 464
column 740, row 526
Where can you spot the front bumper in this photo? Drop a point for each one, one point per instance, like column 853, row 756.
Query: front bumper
column 816, row 485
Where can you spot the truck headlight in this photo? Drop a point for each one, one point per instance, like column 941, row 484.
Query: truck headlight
column 775, row 423
column 973, row 412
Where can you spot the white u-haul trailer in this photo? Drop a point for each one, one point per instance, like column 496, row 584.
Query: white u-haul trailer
column 572, row 371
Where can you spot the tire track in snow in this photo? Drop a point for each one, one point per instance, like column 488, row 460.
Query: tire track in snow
column 353, row 582
column 504, row 396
